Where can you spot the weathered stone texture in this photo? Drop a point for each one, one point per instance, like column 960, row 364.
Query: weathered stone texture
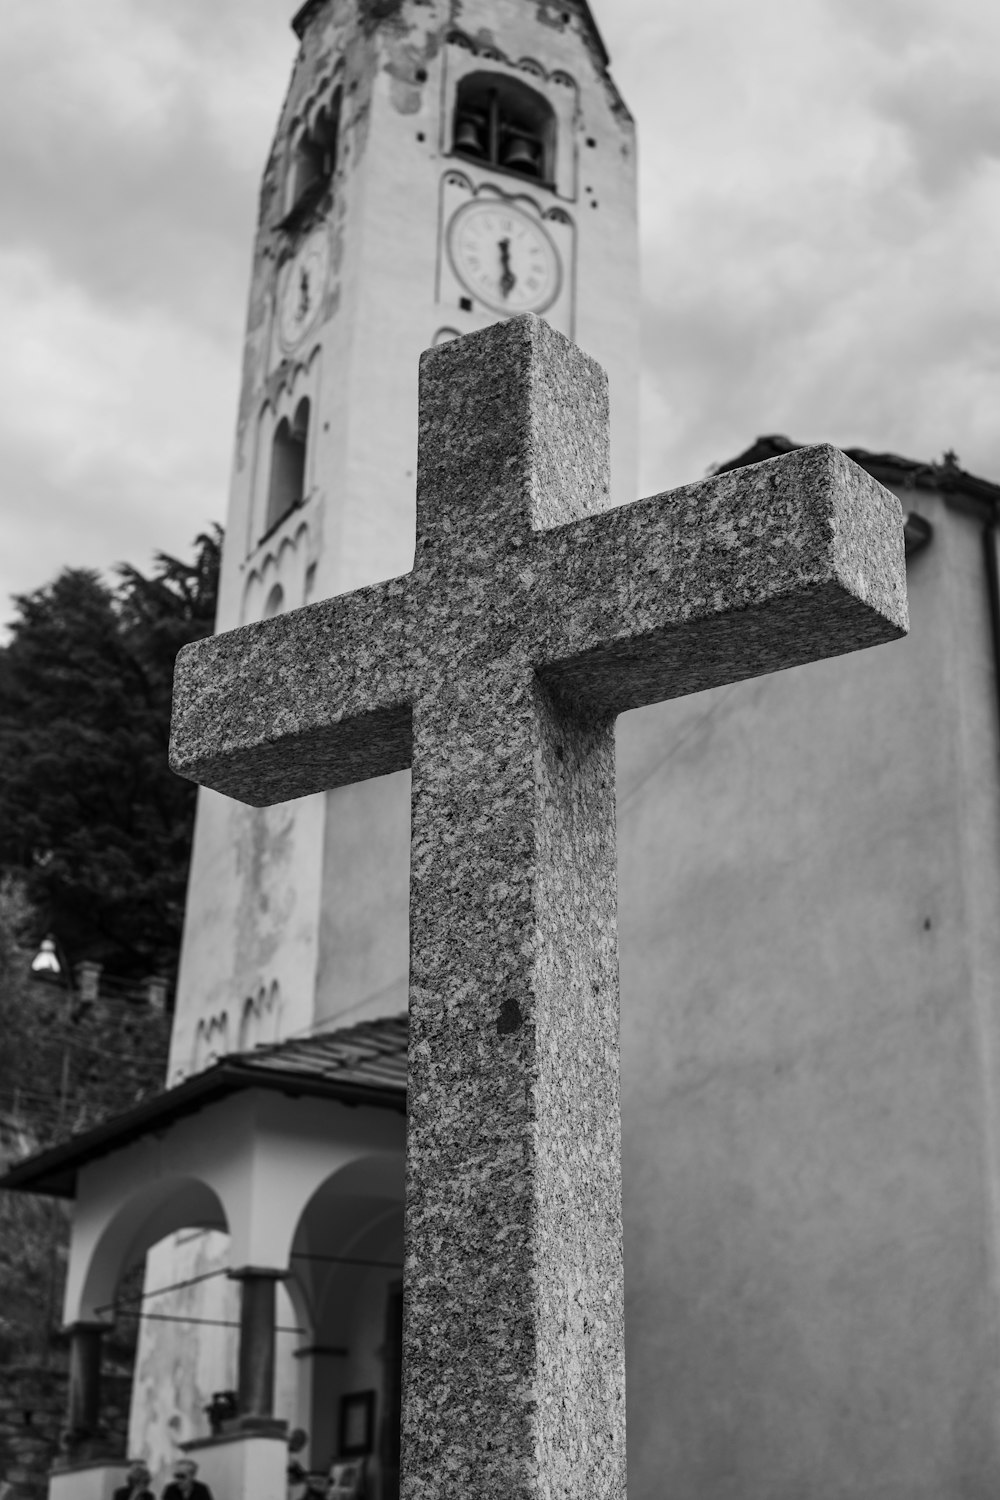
column 33, row 1416
column 498, row 665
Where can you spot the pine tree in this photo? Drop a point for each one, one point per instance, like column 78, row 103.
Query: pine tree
column 90, row 814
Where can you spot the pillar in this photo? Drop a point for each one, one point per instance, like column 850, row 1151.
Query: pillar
column 84, row 1413
column 88, row 981
column 255, row 1384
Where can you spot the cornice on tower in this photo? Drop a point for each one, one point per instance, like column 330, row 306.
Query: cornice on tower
column 382, row 9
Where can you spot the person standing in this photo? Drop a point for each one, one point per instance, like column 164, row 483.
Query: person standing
column 184, row 1485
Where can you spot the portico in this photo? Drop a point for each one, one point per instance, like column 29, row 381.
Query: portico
column 296, row 1153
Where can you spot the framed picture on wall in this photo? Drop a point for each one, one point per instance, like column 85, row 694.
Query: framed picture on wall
column 357, row 1424
column 346, row 1482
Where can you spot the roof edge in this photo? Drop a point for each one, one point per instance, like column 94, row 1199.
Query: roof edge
column 301, row 17
column 946, row 476
column 300, row 21
column 52, row 1172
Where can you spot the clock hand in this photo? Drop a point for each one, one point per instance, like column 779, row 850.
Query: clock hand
column 507, row 278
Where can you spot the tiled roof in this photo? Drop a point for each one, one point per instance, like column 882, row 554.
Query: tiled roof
column 370, row 1053
column 359, row 1065
column 947, row 476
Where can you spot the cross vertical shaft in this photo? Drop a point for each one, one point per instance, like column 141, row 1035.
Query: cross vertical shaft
column 514, row 1373
column 513, row 1364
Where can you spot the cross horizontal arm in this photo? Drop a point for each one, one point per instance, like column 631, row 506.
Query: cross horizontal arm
column 302, row 703
column 753, row 571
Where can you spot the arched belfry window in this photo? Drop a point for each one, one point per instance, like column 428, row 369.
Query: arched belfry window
column 312, row 160
column 503, row 123
column 287, row 485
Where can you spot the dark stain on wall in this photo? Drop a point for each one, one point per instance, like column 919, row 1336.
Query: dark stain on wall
column 374, row 12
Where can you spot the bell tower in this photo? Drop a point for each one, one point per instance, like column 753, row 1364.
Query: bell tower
column 435, row 167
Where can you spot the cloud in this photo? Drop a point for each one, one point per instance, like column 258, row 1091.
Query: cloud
column 137, row 174
column 819, row 211
column 936, row 81
column 108, row 423
column 949, row 111
column 818, row 228
column 131, row 141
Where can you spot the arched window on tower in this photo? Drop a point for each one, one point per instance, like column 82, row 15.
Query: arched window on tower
column 503, row 123
column 287, row 485
column 312, row 161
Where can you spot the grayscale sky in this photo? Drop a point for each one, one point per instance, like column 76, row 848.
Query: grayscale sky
column 820, row 208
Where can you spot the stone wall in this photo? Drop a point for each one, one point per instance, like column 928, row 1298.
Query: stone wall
column 32, row 1415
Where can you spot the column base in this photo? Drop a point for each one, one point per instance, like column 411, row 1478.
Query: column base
column 234, row 1427
column 262, row 1426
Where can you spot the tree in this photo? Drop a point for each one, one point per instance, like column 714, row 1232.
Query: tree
column 90, row 814
column 63, row 1067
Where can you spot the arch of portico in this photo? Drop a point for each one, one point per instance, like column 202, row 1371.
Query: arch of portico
column 346, row 1263
column 250, row 1164
column 146, row 1216
column 109, row 1237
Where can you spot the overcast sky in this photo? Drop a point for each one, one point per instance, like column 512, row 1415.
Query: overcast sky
column 820, row 209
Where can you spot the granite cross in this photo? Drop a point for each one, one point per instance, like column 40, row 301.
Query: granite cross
column 532, row 617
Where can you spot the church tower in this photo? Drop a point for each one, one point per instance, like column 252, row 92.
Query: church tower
column 436, row 166
column 809, row 877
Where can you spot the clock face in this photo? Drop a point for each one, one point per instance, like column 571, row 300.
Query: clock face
column 503, row 257
column 302, row 289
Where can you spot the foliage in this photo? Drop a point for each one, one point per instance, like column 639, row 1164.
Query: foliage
column 90, row 814
column 63, row 1066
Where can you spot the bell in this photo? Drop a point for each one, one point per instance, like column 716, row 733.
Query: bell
column 468, row 138
column 521, row 155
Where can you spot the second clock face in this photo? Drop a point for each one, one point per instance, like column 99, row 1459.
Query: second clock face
column 302, row 290
column 503, row 257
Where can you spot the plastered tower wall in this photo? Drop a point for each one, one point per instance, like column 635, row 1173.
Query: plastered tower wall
column 297, row 915
column 291, row 918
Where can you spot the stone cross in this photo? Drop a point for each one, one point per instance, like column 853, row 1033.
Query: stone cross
column 532, row 617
